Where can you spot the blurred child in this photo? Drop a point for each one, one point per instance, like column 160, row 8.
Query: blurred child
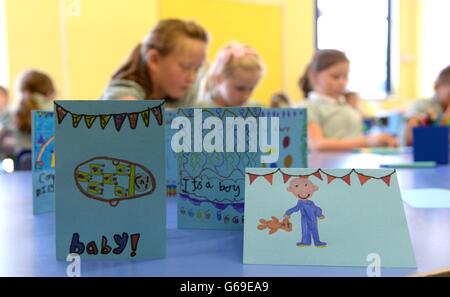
column 232, row 77
column 4, row 99
column 332, row 123
column 434, row 111
column 163, row 66
column 280, row 100
column 36, row 92
column 4, row 112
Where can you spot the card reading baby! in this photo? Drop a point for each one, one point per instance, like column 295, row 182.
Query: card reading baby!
column 332, row 217
column 110, row 179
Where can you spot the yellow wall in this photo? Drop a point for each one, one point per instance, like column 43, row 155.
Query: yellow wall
column 257, row 23
column 33, row 37
column 101, row 38
column 79, row 52
column 409, row 30
column 298, row 42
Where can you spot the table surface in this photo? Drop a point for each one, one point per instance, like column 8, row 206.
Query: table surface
column 27, row 247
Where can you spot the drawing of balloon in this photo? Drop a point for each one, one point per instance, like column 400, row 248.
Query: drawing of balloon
column 182, row 211
column 219, row 216
column 235, row 220
column 286, row 141
column 207, row 214
column 112, row 180
column 191, row 212
column 226, row 219
column 288, row 161
column 198, row 214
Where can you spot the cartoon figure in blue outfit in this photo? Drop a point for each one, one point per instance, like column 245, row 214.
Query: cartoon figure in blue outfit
column 302, row 188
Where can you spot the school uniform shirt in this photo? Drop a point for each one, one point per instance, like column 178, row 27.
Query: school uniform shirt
column 120, row 88
column 336, row 118
column 209, row 103
column 43, row 102
column 422, row 107
column 5, row 118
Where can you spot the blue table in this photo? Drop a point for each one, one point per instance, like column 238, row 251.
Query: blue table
column 27, row 246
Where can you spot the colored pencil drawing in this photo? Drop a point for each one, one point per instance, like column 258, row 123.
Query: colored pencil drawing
column 43, row 161
column 112, row 180
column 303, row 189
column 332, row 217
column 213, row 183
column 274, row 225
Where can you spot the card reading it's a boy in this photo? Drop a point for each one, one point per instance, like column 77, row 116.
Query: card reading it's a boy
column 110, row 181
column 218, row 144
column 43, row 161
column 331, row 217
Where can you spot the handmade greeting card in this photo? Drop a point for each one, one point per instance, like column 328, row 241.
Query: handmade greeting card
column 332, row 217
column 216, row 145
column 110, row 179
column 171, row 156
column 293, row 144
column 43, row 161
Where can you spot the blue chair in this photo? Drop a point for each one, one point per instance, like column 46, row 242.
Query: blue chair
column 24, row 160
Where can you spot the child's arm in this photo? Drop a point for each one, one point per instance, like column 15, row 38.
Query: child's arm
column 318, row 142
column 319, row 213
column 291, row 211
column 128, row 98
column 410, row 124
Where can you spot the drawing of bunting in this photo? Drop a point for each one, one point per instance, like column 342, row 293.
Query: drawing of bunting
column 104, row 119
column 363, row 179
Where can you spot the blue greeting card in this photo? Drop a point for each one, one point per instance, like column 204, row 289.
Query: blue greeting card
column 332, row 217
column 171, row 156
column 110, row 179
column 293, row 144
column 43, row 161
column 211, row 181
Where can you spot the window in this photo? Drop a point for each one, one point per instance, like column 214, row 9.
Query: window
column 362, row 30
column 4, row 79
column 435, row 46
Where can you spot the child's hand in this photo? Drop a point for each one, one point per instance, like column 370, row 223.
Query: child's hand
column 382, row 140
column 322, row 217
column 446, row 117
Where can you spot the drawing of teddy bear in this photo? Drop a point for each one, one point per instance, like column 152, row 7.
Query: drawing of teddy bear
column 274, row 225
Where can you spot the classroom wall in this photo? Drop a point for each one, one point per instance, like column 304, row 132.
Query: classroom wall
column 409, row 19
column 3, row 48
column 257, row 23
column 81, row 51
column 33, row 37
column 100, row 39
column 79, row 47
column 298, row 43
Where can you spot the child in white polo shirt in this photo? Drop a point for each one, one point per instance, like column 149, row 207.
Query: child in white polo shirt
column 333, row 124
